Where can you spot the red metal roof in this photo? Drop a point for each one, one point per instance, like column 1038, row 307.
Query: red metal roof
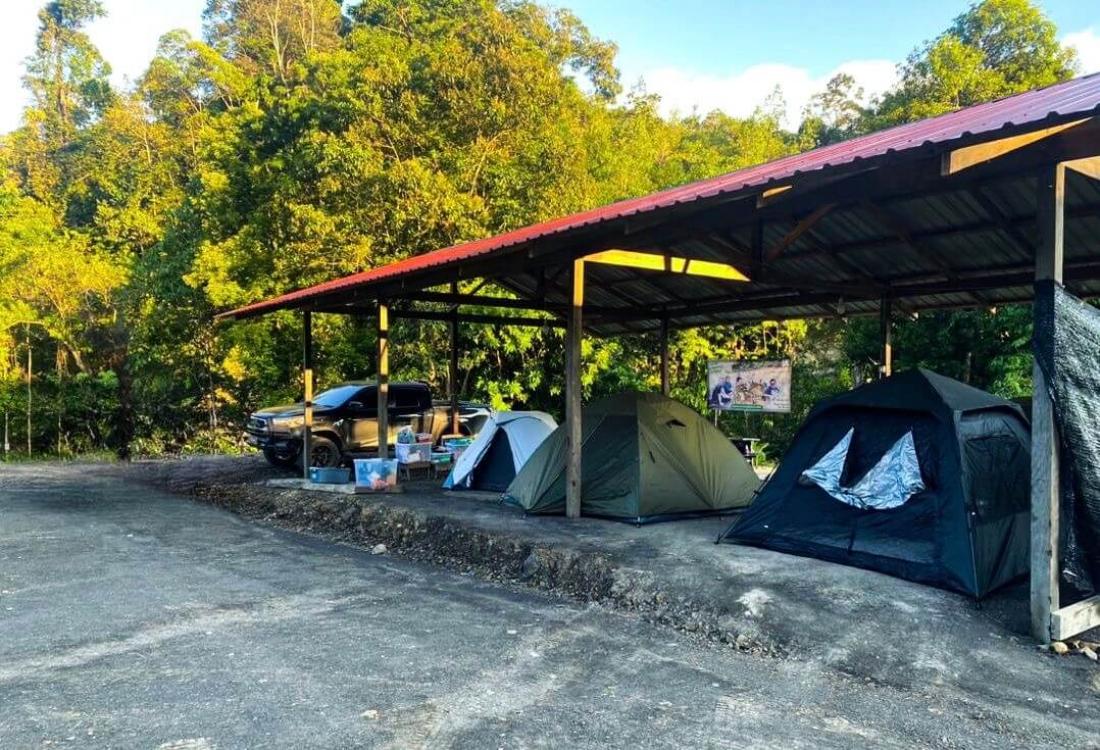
column 1021, row 112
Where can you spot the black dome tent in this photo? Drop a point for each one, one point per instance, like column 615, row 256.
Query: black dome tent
column 918, row 476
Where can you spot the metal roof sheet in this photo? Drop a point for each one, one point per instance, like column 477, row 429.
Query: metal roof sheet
column 1021, row 112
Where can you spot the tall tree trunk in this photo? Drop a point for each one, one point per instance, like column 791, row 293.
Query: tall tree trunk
column 30, row 366
column 124, row 415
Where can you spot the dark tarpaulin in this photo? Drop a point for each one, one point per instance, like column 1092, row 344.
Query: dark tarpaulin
column 1070, row 361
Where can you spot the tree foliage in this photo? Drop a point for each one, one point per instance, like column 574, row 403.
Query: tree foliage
column 299, row 140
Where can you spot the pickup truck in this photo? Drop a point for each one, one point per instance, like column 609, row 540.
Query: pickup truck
column 345, row 422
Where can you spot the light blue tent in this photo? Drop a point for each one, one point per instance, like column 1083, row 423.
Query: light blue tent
column 500, row 450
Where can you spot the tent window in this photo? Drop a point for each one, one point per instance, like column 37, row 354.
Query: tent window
column 674, row 423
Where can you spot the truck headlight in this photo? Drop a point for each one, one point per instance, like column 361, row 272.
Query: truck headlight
column 287, row 424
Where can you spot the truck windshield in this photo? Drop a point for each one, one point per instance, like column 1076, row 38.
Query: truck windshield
column 337, row 396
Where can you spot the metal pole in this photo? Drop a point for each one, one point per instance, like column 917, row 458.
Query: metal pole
column 383, row 380
column 1045, row 496
column 665, row 384
column 307, row 381
column 887, row 336
column 574, row 434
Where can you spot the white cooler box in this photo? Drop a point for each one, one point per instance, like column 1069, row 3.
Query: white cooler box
column 412, row 453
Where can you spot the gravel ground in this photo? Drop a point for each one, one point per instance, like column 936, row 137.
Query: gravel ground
column 131, row 618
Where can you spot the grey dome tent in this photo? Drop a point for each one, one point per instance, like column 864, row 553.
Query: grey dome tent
column 645, row 457
column 918, row 476
column 505, row 442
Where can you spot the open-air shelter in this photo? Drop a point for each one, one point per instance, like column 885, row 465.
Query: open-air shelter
column 967, row 209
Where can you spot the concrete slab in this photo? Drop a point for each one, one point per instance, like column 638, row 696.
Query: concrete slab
column 133, row 618
column 864, row 624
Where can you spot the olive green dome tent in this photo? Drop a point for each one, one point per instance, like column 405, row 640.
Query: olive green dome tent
column 645, row 458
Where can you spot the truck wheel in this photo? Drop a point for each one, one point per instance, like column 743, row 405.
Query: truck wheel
column 324, row 453
column 281, row 459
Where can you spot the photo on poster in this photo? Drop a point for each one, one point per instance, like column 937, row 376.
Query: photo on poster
column 749, row 386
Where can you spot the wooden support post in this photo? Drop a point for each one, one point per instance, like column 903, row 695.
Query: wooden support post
column 307, row 382
column 1044, row 439
column 666, row 386
column 452, row 373
column 383, row 380
column 574, row 433
column 887, row 331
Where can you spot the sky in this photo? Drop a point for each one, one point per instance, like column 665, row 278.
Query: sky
column 696, row 54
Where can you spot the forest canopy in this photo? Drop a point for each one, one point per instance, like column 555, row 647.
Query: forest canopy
column 299, row 140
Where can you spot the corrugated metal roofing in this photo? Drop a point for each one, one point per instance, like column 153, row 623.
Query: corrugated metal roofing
column 1019, row 113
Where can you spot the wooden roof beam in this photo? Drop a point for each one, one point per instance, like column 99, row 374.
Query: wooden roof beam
column 806, row 224
column 459, row 299
column 1090, row 166
column 667, row 263
column 1001, row 219
column 780, row 278
column 966, row 157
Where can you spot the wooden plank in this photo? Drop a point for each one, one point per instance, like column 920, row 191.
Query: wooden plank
column 454, row 298
column 968, row 156
column 1090, row 167
column 383, row 380
column 665, row 384
column 803, row 226
column 493, row 320
column 574, row 435
column 452, row 366
column 307, row 382
column 667, row 263
column 770, row 194
column 1014, row 231
column 1045, row 479
column 1075, row 619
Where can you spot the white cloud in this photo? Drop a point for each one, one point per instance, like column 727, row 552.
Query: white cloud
column 127, row 37
column 1087, row 44
column 741, row 92
column 16, row 42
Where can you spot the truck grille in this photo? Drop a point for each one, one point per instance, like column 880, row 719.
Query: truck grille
column 257, row 424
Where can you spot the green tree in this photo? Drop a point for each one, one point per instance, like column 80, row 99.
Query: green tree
column 66, row 74
column 996, row 48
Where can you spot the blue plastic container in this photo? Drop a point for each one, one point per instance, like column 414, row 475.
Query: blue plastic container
column 319, row 475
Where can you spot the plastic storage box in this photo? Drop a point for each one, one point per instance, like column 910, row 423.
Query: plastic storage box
column 413, row 453
column 319, row 475
column 375, row 474
column 457, row 445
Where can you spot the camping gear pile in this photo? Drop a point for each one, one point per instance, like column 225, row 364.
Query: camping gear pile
column 918, row 476
column 413, row 447
column 646, row 458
